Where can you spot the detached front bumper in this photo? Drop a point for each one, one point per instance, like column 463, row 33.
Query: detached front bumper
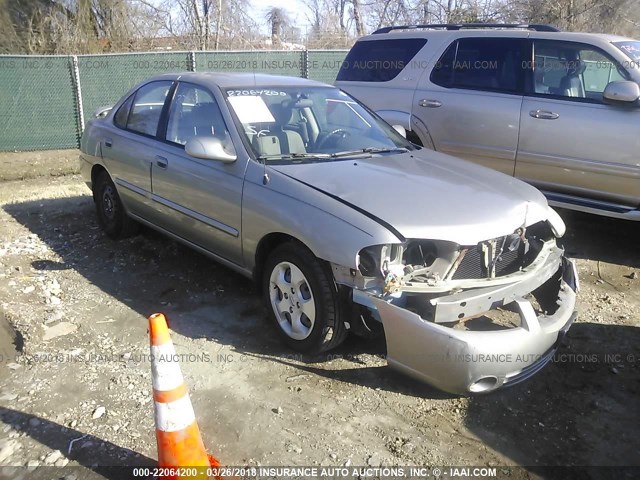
column 473, row 361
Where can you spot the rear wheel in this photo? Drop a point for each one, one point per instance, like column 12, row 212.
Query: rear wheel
column 112, row 217
column 303, row 300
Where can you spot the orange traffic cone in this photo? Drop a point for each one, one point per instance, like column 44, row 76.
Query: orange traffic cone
column 179, row 442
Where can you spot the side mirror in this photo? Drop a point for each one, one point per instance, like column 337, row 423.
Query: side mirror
column 622, row 91
column 209, row 148
column 401, row 130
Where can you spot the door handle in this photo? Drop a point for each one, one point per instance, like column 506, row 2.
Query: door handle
column 430, row 103
column 161, row 161
column 108, row 142
column 544, row 114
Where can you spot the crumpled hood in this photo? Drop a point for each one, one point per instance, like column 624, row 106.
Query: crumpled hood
column 425, row 194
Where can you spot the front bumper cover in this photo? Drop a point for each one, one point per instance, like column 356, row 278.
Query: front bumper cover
column 463, row 361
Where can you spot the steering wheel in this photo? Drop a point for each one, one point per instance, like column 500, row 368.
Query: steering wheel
column 338, row 132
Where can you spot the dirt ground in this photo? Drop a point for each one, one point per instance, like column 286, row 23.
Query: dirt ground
column 73, row 339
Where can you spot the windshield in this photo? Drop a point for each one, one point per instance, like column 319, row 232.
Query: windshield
column 302, row 124
column 631, row 49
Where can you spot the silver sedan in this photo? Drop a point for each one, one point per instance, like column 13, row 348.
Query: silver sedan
column 344, row 224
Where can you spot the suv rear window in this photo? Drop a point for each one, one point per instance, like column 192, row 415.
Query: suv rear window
column 379, row 60
column 481, row 64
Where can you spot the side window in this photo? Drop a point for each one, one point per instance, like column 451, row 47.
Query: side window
column 147, row 108
column 193, row 112
column 379, row 60
column 442, row 73
column 572, row 70
column 344, row 114
column 493, row 64
column 121, row 116
column 598, row 73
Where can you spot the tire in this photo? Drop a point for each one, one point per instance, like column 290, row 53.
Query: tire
column 112, row 217
column 302, row 300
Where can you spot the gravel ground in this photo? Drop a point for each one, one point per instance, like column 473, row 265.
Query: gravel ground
column 75, row 386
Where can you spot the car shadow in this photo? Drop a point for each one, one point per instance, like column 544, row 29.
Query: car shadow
column 101, row 458
column 579, row 399
column 599, row 238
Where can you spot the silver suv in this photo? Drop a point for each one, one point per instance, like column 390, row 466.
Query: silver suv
column 558, row 110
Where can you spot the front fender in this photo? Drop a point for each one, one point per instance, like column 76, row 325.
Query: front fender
column 331, row 230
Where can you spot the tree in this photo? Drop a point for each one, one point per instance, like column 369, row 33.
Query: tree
column 278, row 18
column 357, row 17
column 613, row 16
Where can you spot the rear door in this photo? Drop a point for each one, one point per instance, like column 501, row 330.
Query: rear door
column 470, row 102
column 571, row 142
column 128, row 144
column 198, row 200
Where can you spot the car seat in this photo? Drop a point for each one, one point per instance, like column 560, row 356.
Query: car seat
column 571, row 84
column 280, row 139
column 203, row 119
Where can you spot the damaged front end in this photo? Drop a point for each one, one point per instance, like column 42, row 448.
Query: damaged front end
column 469, row 319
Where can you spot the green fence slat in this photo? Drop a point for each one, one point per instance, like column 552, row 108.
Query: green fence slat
column 37, row 103
column 325, row 64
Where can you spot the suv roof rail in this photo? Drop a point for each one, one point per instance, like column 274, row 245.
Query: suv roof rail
column 459, row 26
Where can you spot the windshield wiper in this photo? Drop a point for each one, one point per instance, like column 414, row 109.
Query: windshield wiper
column 328, row 156
column 294, row 156
column 370, row 150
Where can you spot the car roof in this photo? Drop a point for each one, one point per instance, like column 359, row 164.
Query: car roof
column 239, row 80
column 498, row 32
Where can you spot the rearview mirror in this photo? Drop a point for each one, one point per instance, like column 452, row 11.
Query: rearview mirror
column 622, row 91
column 209, row 148
column 401, row 130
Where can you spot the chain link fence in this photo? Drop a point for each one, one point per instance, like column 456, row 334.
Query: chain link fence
column 38, row 104
column 45, row 101
column 323, row 65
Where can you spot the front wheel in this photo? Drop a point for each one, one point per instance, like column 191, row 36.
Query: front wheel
column 303, row 300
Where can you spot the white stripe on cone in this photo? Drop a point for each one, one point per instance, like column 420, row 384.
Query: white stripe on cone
column 174, row 416
column 165, row 370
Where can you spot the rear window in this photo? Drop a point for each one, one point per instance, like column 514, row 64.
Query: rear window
column 493, row 64
column 379, row 60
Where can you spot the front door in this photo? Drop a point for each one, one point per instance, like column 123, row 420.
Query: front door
column 198, row 200
column 571, row 142
column 470, row 102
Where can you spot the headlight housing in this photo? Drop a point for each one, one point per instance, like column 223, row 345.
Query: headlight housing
column 428, row 256
column 375, row 261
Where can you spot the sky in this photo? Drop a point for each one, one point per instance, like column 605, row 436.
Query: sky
column 296, row 9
